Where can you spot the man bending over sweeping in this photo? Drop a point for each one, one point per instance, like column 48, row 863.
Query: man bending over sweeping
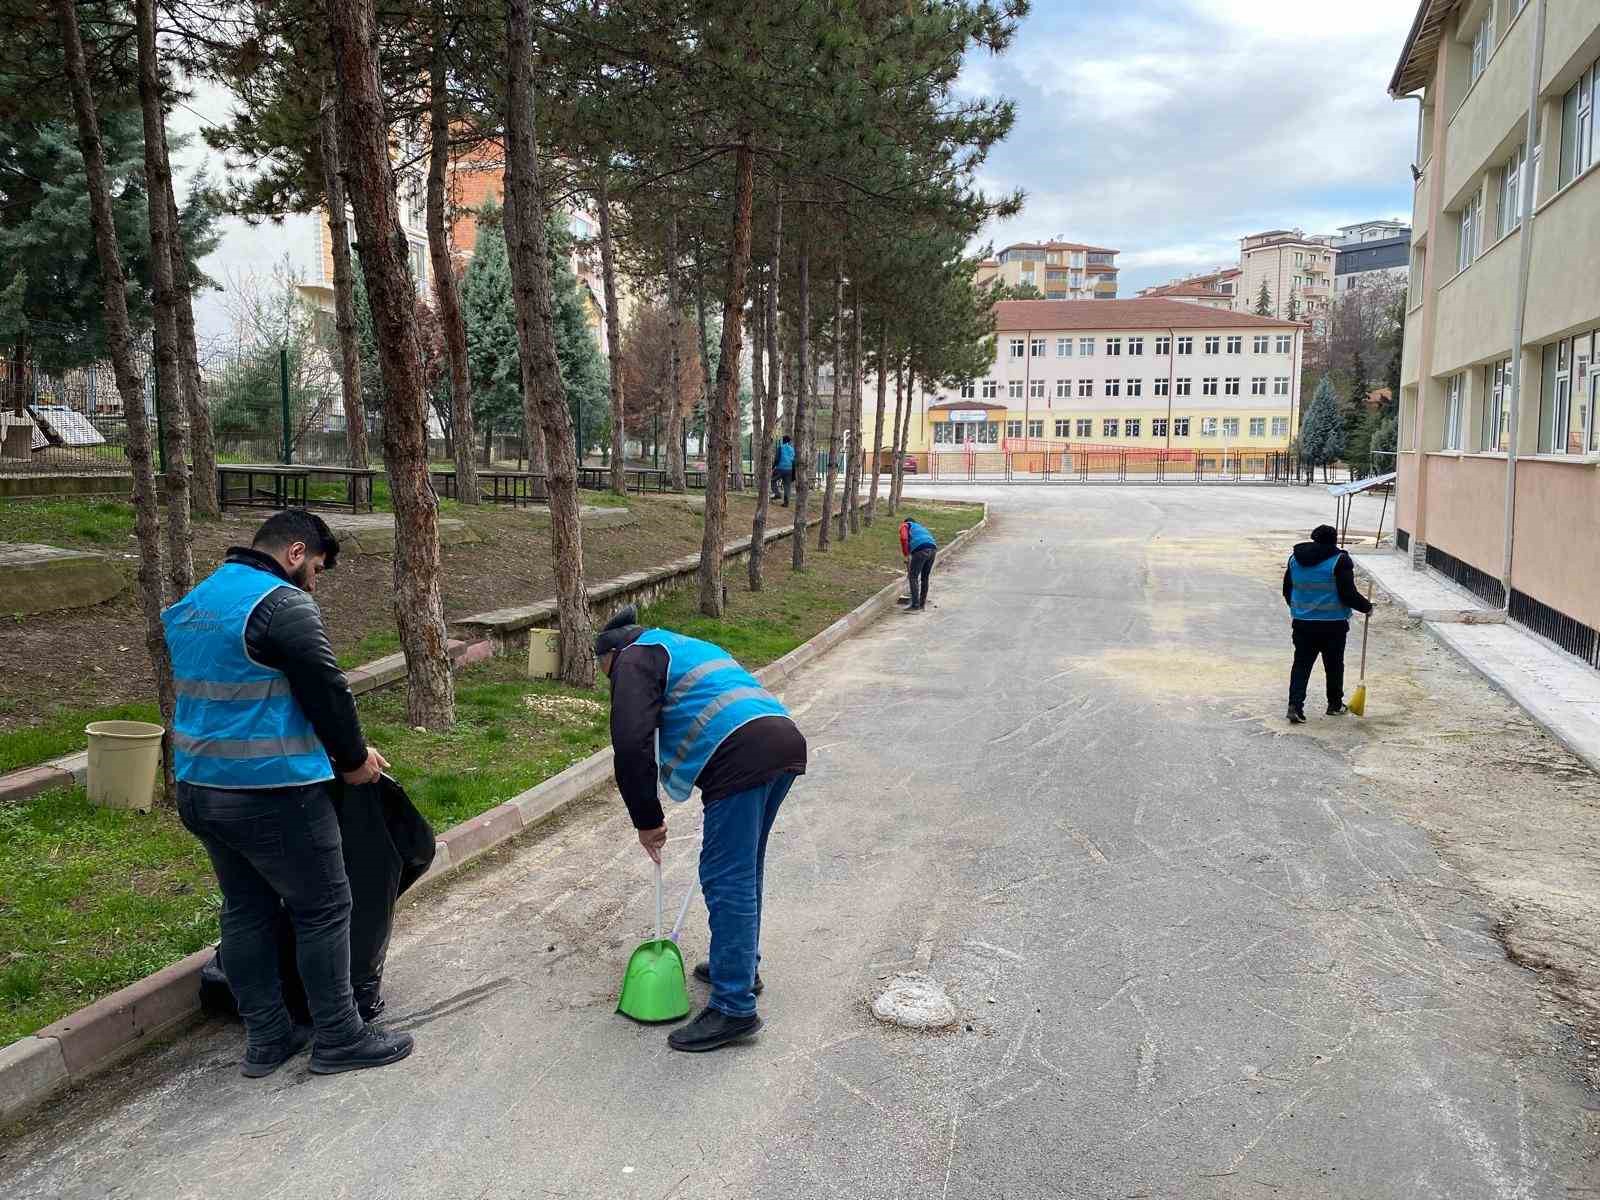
column 719, row 730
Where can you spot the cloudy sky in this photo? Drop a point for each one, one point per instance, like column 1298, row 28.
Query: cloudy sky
column 1168, row 129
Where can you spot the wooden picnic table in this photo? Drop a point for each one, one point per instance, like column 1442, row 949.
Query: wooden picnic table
column 287, row 485
column 498, row 487
column 634, row 479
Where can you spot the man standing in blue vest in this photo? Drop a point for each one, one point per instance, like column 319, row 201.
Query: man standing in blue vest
column 684, row 714
column 783, row 470
column 264, row 718
column 1319, row 586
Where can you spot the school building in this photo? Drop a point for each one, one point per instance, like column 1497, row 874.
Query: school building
column 1150, row 374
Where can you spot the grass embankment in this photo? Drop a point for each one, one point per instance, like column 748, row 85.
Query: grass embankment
column 93, row 899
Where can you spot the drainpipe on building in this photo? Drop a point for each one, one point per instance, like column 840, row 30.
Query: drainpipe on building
column 1524, row 263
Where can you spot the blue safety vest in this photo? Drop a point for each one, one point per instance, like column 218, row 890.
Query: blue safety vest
column 1315, row 595
column 708, row 697
column 786, row 456
column 237, row 724
column 918, row 538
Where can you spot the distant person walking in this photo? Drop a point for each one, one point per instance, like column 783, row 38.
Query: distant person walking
column 918, row 548
column 264, row 719
column 1319, row 586
column 685, row 715
column 783, row 470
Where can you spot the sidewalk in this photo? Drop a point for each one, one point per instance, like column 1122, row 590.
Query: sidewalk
column 1552, row 687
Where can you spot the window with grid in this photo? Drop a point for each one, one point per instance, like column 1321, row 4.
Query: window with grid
column 991, row 389
column 1258, row 385
column 1236, row 344
column 969, row 390
column 1036, row 429
column 1230, row 427
column 1063, row 389
column 1036, row 389
column 1086, row 346
column 1014, row 389
column 1085, row 427
column 1467, row 235
column 1062, row 427
column 1577, row 126
column 1037, row 348
column 1208, row 427
column 1208, row 386
column 1230, row 386
column 1260, row 343
column 1113, row 387
column 1186, row 345
column 1108, row 427
column 1136, row 345
column 1135, row 387
column 1452, row 413
column 1158, row 427
column 1280, row 427
column 1567, row 421
column 1180, row 426
column 1063, row 347
column 1013, row 429
column 1280, row 385
column 1085, row 387
column 1164, row 345
column 1213, row 344
column 1258, row 427
column 1018, row 347
column 1509, row 190
column 1185, row 387
column 1284, row 342
column 1113, row 346
column 1131, row 427
column 1482, row 44
column 1161, row 386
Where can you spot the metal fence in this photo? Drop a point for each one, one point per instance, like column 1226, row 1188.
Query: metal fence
column 1099, row 464
column 68, row 422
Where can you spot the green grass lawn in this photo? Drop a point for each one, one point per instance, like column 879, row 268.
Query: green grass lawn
column 66, row 522
column 62, row 733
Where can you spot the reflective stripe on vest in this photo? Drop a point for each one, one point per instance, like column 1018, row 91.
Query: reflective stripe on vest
column 708, row 697
column 1314, row 594
column 237, row 724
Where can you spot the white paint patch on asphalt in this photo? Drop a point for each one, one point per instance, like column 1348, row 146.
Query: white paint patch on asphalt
column 914, row 1001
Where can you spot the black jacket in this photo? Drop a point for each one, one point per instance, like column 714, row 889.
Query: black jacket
column 285, row 633
column 1309, row 554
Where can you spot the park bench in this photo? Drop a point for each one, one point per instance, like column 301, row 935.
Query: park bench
column 288, row 485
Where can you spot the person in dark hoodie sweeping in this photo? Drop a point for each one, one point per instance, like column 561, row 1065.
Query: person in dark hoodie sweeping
column 1319, row 586
column 684, row 714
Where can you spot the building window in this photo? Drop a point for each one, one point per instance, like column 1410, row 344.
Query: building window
column 1018, row 346
column 1161, row 387
column 942, row 433
column 1013, row 429
column 1185, row 386
column 1452, row 413
column 1135, row 387
column 1509, row 190
column 1230, row 427
column 1086, row 346
column 1108, row 427
column 1258, row 427
column 1577, row 126
column 1258, row 385
column 1158, row 427
column 1186, row 345
column 1285, row 343
column 1213, row 344
column 989, row 433
column 1014, row 389
column 1571, row 386
column 1482, row 43
column 1280, row 427
column 1236, row 344
column 1208, row 386
column 1036, row 429
column 1062, row 427
column 1280, row 385
column 1136, row 345
column 1036, row 389
column 1085, row 427
column 1467, row 238
column 991, row 389
column 1131, row 426
column 1113, row 387
column 1230, row 386
column 419, row 266
column 1208, row 427
column 1180, row 426
column 1063, row 347
column 1036, row 349
column 1063, row 389
column 1085, row 388
column 1493, row 416
column 1164, row 345
column 969, row 390
column 1259, row 343
column 1113, row 345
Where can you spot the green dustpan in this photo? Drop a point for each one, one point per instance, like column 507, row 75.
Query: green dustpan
column 654, row 987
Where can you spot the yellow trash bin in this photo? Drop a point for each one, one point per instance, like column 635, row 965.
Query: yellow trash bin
column 124, row 759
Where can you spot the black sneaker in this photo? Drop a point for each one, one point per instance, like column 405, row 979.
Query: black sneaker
column 374, row 1048
column 1336, row 710
column 265, row 1060
column 1297, row 714
column 702, row 972
column 712, row 1030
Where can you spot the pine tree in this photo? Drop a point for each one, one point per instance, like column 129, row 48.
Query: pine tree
column 1322, row 436
column 491, row 326
column 1264, row 301
column 585, row 372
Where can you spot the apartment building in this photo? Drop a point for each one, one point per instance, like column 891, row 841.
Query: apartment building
column 1061, row 270
column 1500, row 445
column 1369, row 252
column 1215, row 289
column 1143, row 373
column 1298, row 272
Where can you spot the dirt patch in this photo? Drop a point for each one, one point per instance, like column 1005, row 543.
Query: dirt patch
column 97, row 656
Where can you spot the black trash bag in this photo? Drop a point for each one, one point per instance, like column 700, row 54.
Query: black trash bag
column 388, row 846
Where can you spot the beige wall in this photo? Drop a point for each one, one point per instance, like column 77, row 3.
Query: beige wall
column 1492, row 115
column 1564, row 292
column 1463, row 492
column 1555, row 558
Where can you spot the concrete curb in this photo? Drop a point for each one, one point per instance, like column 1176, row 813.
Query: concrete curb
column 80, row 1045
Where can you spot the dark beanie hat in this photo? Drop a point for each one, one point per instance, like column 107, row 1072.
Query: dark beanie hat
column 1325, row 535
column 619, row 632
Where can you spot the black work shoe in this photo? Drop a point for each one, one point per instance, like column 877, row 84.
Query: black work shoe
column 1337, row 710
column 1297, row 714
column 374, row 1048
column 264, row 1061
column 712, row 1030
column 702, row 972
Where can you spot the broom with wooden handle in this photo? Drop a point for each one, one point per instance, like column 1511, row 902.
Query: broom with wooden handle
column 1358, row 702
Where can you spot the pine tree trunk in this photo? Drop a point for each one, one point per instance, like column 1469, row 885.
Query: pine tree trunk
column 905, row 440
column 113, row 285
column 533, row 441
column 203, row 497
column 899, row 450
column 444, row 273
column 852, row 475
column 804, row 456
column 758, row 393
column 831, row 480
column 675, row 465
column 877, row 425
column 721, row 415
column 169, row 373
column 344, row 293
column 536, row 342
column 608, row 274
column 364, row 146
column 769, row 401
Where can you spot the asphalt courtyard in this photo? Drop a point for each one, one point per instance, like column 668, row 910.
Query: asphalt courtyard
column 1192, row 951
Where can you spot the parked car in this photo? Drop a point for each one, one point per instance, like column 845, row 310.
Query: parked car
column 908, row 464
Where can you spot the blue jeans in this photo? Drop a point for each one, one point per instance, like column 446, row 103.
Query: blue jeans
column 273, row 849
column 732, row 859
